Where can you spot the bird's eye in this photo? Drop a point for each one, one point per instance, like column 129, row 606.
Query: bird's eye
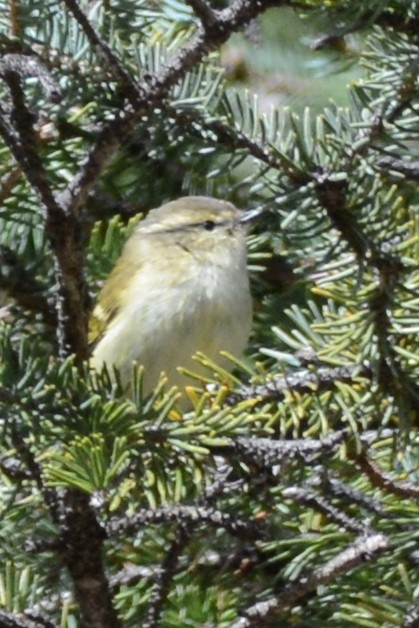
column 208, row 225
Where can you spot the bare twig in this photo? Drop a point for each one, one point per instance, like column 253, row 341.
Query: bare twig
column 381, row 15
column 15, row 18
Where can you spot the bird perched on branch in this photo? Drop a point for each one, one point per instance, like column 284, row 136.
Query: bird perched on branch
column 181, row 286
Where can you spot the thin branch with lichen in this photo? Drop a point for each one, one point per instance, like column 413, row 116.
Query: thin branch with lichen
column 365, row 548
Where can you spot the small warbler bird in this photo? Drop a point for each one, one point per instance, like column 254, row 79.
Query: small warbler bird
column 180, row 286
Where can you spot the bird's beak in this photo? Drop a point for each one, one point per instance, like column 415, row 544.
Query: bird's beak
column 250, row 216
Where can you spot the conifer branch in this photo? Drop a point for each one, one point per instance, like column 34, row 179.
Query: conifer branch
column 130, row 89
column 319, row 503
column 154, row 89
column 229, row 137
column 28, row 458
column 266, row 452
column 80, row 544
column 82, row 551
column 333, row 487
column 62, row 228
column 365, row 548
column 204, row 12
column 317, row 378
column 245, row 463
column 8, row 182
column 186, row 515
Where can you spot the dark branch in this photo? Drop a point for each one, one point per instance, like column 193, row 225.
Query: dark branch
column 204, row 12
column 30, row 65
column 12, row 469
column 131, row 574
column 62, row 228
column 82, row 541
column 80, row 544
column 384, row 481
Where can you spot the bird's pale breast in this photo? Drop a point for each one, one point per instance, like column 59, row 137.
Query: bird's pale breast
column 205, row 308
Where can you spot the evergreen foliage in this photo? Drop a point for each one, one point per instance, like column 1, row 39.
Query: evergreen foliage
column 289, row 495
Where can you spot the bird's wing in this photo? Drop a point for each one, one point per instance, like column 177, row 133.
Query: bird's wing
column 106, row 310
column 98, row 324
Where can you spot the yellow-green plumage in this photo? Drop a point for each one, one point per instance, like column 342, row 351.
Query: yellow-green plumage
column 179, row 287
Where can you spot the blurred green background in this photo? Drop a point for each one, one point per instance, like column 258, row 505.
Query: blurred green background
column 275, row 59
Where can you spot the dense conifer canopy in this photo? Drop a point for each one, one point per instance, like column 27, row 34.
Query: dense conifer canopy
column 289, row 495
